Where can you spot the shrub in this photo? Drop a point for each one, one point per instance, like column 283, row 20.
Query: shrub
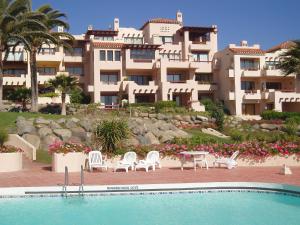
column 110, row 133
column 200, row 138
column 216, row 111
column 293, row 120
column 77, row 96
column 291, row 128
column 237, row 136
column 21, row 95
column 49, row 95
column 3, row 137
column 209, row 104
column 273, row 115
column 161, row 105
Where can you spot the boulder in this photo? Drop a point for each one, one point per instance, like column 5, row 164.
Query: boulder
column 151, row 139
column 161, row 116
column 132, row 142
column 70, row 124
column 25, row 127
column 86, row 124
column 64, row 134
column 89, row 137
column 256, row 126
column 202, row 118
column 75, row 120
column 152, row 115
column 269, row 126
column 144, row 114
column 76, row 140
column 54, row 125
column 44, row 131
column 33, row 139
column 41, row 120
column 48, row 140
column 79, row 132
column 61, row 121
column 177, row 117
column 187, row 119
column 180, row 134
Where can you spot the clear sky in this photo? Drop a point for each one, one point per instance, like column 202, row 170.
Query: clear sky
column 266, row 22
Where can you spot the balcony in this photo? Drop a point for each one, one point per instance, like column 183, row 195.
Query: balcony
column 110, row 86
column 14, row 79
column 207, row 86
column 202, row 66
column 252, row 95
column 142, row 64
column 180, row 86
column 251, row 73
column 76, row 58
column 200, row 45
column 43, row 78
column 132, row 87
column 50, row 57
column 272, row 72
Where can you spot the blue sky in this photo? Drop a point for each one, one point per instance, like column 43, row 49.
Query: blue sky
column 266, row 22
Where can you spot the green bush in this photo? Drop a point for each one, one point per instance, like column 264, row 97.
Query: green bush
column 209, row 104
column 269, row 137
column 22, row 95
column 77, row 96
column 216, row 110
column 161, row 105
column 109, row 134
column 293, row 120
column 49, row 95
column 237, row 136
column 3, row 137
column 201, row 138
column 291, row 128
column 273, row 115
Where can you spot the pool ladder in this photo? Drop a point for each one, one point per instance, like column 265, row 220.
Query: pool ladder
column 66, row 184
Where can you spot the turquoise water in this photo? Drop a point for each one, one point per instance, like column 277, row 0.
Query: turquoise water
column 227, row 208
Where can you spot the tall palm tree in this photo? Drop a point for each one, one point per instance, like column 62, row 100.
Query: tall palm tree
column 13, row 24
column 64, row 84
column 45, row 37
column 291, row 62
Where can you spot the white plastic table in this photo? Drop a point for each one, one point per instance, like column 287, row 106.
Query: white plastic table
column 197, row 156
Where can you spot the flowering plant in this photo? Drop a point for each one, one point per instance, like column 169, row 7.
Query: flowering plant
column 10, row 149
column 68, row 147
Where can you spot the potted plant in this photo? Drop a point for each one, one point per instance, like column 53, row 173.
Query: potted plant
column 10, row 157
column 68, row 154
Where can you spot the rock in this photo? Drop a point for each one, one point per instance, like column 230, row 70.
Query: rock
column 25, row 127
column 75, row 120
column 20, row 118
column 151, row 139
column 44, row 131
column 298, row 127
column 265, row 130
column 64, row 134
column 177, row 117
column 48, row 140
column 86, row 124
column 33, row 139
column 152, row 115
column 269, row 126
column 202, row 118
column 89, row 137
column 74, row 139
column 180, row 134
column 144, row 114
column 70, row 124
column 60, row 121
column 214, row 133
column 161, row 116
column 187, row 119
column 132, row 142
column 79, row 132
column 41, row 120
column 54, row 125
column 256, row 126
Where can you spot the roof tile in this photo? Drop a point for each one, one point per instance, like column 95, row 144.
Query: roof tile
column 283, row 45
column 247, row 51
column 108, row 45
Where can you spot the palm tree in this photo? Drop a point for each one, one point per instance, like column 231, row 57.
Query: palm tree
column 22, row 95
column 45, row 37
column 13, row 24
column 64, row 84
column 291, row 60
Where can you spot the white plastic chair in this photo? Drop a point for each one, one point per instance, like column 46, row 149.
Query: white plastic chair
column 228, row 162
column 128, row 161
column 152, row 160
column 96, row 160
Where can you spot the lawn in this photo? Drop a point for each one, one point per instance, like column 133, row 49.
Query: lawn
column 8, row 119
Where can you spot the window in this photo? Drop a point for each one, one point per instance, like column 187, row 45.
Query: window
column 250, row 64
column 76, row 51
column 171, row 56
column 199, row 38
column 109, row 78
column 200, row 57
column 204, row 78
column 272, row 65
column 104, row 38
column 17, row 56
column 75, row 70
column 273, row 85
column 16, row 72
column 102, row 55
column 166, row 39
column 133, row 40
column 142, row 54
column 247, row 85
column 140, row 79
column 117, row 55
column 47, row 51
column 174, row 78
column 46, row 70
column 109, row 100
column 110, row 56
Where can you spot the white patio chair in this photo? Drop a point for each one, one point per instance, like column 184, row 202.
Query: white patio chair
column 128, row 161
column 96, row 160
column 152, row 160
column 228, row 162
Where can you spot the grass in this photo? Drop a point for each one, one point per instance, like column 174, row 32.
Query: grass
column 8, row 119
column 43, row 157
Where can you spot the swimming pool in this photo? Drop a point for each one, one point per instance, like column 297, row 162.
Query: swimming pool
column 215, row 207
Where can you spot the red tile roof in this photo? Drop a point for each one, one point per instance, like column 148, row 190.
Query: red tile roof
column 108, row 45
column 247, row 51
column 160, row 20
column 283, row 45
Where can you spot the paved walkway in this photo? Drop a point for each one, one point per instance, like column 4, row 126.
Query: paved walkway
column 36, row 174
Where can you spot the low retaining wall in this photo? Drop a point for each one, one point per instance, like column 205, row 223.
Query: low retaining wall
column 11, row 162
column 73, row 161
column 18, row 142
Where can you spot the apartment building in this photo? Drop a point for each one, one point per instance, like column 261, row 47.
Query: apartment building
column 250, row 81
column 163, row 60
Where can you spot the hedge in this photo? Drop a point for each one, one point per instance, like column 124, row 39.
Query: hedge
column 273, row 115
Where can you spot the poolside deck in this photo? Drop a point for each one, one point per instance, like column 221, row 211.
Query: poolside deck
column 37, row 174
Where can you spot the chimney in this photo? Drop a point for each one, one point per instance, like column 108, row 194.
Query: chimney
column 60, row 29
column 116, row 24
column 90, row 27
column 244, row 43
column 179, row 17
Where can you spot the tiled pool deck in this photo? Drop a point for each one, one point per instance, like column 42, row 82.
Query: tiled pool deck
column 36, row 174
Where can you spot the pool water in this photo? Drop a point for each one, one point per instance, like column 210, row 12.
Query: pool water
column 216, row 208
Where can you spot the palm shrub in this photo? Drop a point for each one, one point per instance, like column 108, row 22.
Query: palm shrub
column 3, row 137
column 291, row 59
column 21, row 95
column 109, row 134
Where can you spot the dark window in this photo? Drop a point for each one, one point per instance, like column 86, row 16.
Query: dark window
column 204, row 77
column 46, row 70
column 199, row 38
column 110, row 56
column 166, row 39
column 75, row 70
column 16, row 72
column 250, row 64
column 200, row 56
column 247, row 85
column 47, row 51
column 174, row 78
column 109, row 78
column 140, row 79
column 109, row 101
column 117, row 55
column 142, row 54
column 102, row 55
column 273, row 85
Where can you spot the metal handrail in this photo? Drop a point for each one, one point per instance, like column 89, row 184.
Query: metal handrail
column 66, row 181
column 81, row 181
